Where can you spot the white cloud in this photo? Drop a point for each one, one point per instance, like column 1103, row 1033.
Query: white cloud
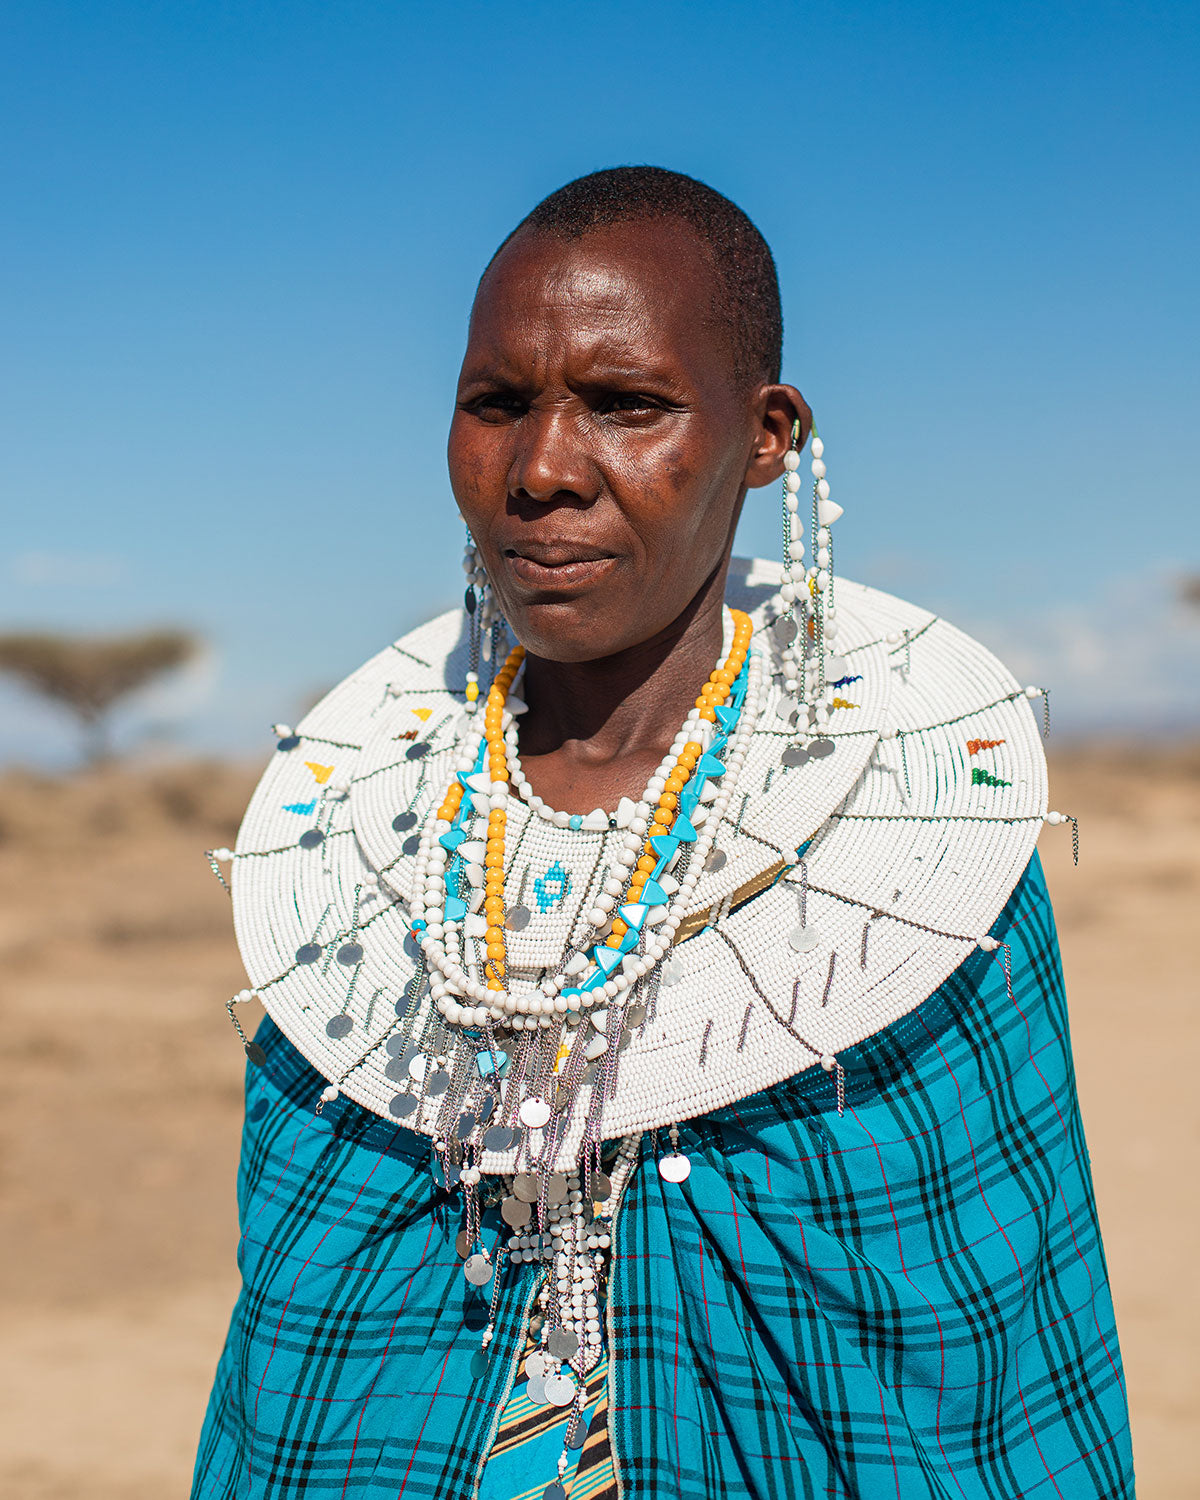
column 1126, row 660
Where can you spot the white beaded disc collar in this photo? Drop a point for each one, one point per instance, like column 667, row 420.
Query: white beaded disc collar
column 887, row 845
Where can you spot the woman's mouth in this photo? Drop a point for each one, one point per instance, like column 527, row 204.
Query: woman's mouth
column 557, row 568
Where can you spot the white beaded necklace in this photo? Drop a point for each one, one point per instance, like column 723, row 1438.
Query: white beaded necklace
column 442, row 941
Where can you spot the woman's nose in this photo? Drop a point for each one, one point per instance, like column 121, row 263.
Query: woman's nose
column 551, row 462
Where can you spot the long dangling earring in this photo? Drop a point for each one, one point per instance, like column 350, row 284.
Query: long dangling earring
column 829, row 668
column 806, row 627
column 791, row 627
column 477, row 603
column 487, row 626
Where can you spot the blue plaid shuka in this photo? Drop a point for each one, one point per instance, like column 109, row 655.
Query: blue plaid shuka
column 902, row 1301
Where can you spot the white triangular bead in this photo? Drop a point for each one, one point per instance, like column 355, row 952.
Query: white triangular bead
column 829, row 511
column 625, row 812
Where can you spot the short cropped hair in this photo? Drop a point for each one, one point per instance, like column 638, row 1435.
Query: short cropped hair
column 747, row 283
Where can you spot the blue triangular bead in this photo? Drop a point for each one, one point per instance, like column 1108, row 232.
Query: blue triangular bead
column 653, row 894
column 633, row 914
column 709, row 765
column 665, row 845
column 682, row 830
column 727, row 716
column 630, row 941
column 452, row 839
column 456, row 909
column 607, row 959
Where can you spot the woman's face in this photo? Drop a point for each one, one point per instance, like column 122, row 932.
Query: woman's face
column 601, row 446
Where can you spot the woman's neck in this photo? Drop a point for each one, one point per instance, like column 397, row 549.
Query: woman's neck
column 596, row 730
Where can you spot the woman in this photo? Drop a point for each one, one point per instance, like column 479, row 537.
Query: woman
column 689, row 908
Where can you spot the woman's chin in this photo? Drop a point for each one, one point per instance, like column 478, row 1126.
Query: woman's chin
column 566, row 632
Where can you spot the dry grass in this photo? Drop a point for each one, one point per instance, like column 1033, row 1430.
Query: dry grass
column 122, row 1098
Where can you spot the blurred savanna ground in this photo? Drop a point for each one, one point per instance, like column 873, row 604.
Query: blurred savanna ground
column 121, row 1104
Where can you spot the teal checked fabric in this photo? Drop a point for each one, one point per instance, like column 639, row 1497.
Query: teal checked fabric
column 903, row 1301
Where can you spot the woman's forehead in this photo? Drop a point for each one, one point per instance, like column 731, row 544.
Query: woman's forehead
column 637, row 289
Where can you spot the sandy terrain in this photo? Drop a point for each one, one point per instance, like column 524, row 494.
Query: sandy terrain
column 122, row 1087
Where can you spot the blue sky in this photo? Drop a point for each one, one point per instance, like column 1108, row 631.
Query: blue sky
column 241, row 242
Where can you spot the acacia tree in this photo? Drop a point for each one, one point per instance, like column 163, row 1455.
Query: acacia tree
column 88, row 676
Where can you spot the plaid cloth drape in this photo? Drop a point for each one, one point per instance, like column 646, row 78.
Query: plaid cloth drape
column 907, row 1300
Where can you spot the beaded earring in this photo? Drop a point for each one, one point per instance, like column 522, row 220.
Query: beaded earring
column 805, row 627
column 791, row 626
column 485, row 623
column 829, row 667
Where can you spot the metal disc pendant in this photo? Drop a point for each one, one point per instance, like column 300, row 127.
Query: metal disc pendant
column 715, row 861
column 794, row 755
column 403, row 1105
column 479, row 1365
column 311, row 838
column 674, row 1168
column 396, row 1070
column 803, row 939
column 478, row 1270
column 463, row 1243
column 350, row 954
column 525, row 1187
column 308, row 953
column 535, row 1390
column 411, row 844
column 819, row 749
column 288, row 742
column 535, row 1113
column 672, row 971
column 417, row 751
column 601, row 1187
column 554, row 1491
column 486, row 1110
column 560, row 1390
column 538, row 1366
column 836, row 667
column 783, row 632
column 466, row 1123
column 517, row 919
column 418, row 1065
column 635, row 1015
column 515, row 1213
column 498, row 1138
column 563, row 1344
column 437, row 1083
column 469, row 600
column 556, row 1188
column 787, row 710
column 338, row 1027
column 400, row 1046
column 578, row 1436
column 402, row 822
column 255, row 1054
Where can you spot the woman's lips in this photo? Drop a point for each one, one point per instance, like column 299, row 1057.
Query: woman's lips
column 571, row 573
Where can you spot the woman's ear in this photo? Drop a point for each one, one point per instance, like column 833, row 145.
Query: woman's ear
column 780, row 408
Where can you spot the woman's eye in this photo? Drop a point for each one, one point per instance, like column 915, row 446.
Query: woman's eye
column 496, row 406
column 630, row 401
